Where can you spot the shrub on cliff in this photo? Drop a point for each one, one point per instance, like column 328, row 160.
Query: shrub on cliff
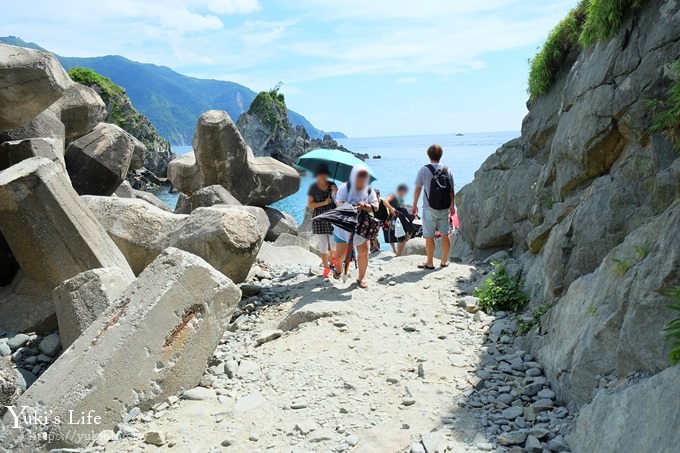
column 121, row 112
column 591, row 21
column 604, row 19
column 270, row 108
column 551, row 59
column 499, row 291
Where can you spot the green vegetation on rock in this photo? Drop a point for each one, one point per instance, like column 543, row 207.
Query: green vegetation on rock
column 667, row 121
column 604, row 19
column 500, row 292
column 591, row 21
column 120, row 109
column 672, row 329
column 270, row 108
column 551, row 59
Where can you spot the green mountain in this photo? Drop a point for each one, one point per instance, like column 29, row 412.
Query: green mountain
column 172, row 101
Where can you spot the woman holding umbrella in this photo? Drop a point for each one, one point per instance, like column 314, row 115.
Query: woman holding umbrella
column 320, row 199
column 356, row 192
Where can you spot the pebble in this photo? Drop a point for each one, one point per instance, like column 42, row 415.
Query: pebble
column 305, row 427
column 50, row 345
column 230, row 368
column 533, row 445
column 298, row 405
column 5, row 350
column 417, row 447
column 199, row 394
column 533, row 372
column 512, row 412
column 352, row 440
column 156, row 438
column 18, row 341
column 546, row 394
column 408, row 401
column 227, row 442
column 512, row 438
column 267, row 336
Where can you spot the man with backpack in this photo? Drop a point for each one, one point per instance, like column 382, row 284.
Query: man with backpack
column 436, row 181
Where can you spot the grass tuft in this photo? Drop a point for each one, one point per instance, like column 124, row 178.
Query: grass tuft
column 604, row 19
column 270, row 107
column 667, row 120
column 550, row 60
column 591, row 21
column 672, row 330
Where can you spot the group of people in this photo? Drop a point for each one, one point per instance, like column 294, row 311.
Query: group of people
column 434, row 182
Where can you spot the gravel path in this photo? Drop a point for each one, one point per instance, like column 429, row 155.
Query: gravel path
column 324, row 366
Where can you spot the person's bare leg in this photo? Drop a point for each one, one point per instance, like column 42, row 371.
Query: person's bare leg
column 446, row 246
column 402, row 246
column 340, row 253
column 324, row 259
column 363, row 262
column 429, row 248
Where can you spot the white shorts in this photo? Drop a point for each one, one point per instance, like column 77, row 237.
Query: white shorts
column 323, row 242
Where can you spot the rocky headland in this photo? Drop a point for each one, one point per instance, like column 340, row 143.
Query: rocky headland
column 268, row 131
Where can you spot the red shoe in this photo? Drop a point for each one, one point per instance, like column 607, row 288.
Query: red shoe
column 326, row 272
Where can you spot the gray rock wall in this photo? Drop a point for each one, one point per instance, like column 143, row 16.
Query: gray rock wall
column 589, row 203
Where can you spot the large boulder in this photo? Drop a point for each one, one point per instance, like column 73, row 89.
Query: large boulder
column 53, row 237
column 30, row 81
column 99, row 161
column 140, row 230
column 80, row 109
column 14, row 152
column 642, row 417
column 164, row 327
column 611, row 321
column 205, row 198
column 279, row 223
column 81, row 299
column 45, row 125
column 227, row 237
column 49, row 229
column 222, row 157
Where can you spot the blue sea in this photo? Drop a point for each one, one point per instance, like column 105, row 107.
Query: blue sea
column 401, row 157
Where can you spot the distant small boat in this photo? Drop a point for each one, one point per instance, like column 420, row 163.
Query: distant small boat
column 459, row 134
column 377, row 156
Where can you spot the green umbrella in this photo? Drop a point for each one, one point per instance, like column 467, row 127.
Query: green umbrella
column 339, row 163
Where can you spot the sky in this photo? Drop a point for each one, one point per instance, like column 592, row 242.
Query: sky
column 365, row 67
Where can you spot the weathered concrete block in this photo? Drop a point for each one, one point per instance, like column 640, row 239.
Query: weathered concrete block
column 29, row 82
column 141, row 231
column 80, row 109
column 152, row 342
column 13, row 152
column 26, row 306
column 45, row 125
column 279, row 223
column 228, row 237
column 79, row 300
column 223, row 157
column 205, row 198
column 99, row 161
column 49, row 229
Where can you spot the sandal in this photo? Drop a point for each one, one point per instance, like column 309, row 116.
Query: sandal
column 425, row 267
column 362, row 284
column 337, row 275
column 444, row 265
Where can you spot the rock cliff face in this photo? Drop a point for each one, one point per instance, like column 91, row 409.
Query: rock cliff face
column 588, row 201
column 120, row 111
